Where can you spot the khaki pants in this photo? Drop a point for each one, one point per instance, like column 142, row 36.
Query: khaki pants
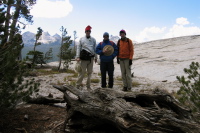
column 85, row 65
column 126, row 72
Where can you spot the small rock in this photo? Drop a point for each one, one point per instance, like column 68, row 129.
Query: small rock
column 25, row 117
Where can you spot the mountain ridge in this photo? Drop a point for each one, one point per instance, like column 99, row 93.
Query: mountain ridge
column 29, row 38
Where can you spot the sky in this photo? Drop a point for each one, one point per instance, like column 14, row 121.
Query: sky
column 143, row 20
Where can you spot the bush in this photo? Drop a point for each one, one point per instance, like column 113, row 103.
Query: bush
column 189, row 93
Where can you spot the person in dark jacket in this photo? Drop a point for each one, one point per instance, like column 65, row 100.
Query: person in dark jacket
column 107, row 50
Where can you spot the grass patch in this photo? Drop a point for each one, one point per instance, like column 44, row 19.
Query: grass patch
column 135, row 84
column 95, row 80
column 54, row 70
column 73, row 83
column 119, row 78
column 148, row 84
column 99, row 74
column 70, row 71
column 46, row 72
column 74, row 75
column 60, row 83
column 65, row 79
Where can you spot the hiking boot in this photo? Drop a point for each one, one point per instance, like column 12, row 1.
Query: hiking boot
column 124, row 89
column 128, row 89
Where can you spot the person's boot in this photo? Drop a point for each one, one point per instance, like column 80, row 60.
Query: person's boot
column 128, row 89
column 124, row 89
column 110, row 87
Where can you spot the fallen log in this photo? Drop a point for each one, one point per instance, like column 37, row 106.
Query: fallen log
column 45, row 100
column 111, row 111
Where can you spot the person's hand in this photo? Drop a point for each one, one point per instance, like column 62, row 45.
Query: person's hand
column 117, row 60
column 105, row 50
column 78, row 59
column 95, row 60
column 130, row 62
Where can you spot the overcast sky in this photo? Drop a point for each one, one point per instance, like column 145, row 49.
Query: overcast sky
column 144, row 20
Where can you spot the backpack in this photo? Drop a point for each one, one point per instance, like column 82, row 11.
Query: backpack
column 127, row 39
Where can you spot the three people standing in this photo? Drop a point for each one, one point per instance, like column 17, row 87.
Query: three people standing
column 108, row 50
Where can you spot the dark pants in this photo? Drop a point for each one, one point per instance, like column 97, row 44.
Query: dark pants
column 107, row 67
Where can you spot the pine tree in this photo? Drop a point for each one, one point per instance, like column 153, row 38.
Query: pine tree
column 66, row 53
column 38, row 57
column 20, row 10
column 75, row 37
column 13, row 87
column 189, row 93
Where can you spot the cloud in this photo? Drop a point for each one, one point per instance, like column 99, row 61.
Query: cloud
column 51, row 9
column 149, row 33
column 182, row 21
column 182, row 27
column 180, row 30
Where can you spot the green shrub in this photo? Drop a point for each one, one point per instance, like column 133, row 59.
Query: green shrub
column 189, row 93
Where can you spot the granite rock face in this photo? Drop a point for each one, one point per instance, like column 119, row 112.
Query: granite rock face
column 165, row 59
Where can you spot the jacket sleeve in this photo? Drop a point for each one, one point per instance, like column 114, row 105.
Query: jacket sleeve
column 99, row 50
column 78, row 49
column 118, row 47
column 115, row 53
column 95, row 45
column 131, row 47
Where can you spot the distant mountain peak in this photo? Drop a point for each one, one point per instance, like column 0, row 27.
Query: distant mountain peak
column 56, row 34
column 46, row 33
column 29, row 38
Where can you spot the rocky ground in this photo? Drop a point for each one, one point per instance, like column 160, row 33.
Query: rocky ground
column 33, row 118
column 156, row 65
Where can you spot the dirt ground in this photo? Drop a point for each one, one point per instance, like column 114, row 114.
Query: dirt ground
column 33, row 118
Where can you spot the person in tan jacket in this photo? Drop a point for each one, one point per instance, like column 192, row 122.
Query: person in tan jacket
column 124, row 58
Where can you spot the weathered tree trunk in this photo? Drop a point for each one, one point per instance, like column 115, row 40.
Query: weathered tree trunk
column 111, row 111
column 45, row 100
column 15, row 18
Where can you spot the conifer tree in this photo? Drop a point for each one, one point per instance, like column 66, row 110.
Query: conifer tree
column 75, row 37
column 38, row 57
column 189, row 93
column 13, row 87
column 66, row 53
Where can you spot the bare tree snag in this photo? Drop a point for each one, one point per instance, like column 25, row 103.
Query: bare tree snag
column 114, row 111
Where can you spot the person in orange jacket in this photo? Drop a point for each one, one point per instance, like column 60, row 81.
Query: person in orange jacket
column 124, row 58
